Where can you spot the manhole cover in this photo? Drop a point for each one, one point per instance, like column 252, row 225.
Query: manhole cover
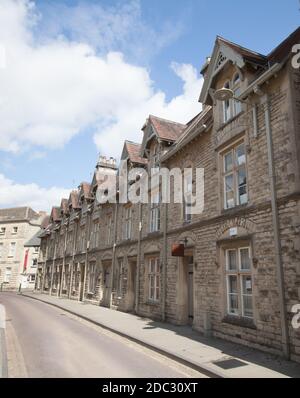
column 230, row 364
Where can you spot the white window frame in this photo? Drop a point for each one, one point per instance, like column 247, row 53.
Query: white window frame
column 154, row 217
column 239, row 273
column 2, row 231
column 1, row 249
column 234, row 172
column 154, row 279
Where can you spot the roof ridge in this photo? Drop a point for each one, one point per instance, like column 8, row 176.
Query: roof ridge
column 167, row 120
column 242, row 47
column 131, row 142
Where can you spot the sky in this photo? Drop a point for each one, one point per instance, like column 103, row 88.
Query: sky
column 78, row 77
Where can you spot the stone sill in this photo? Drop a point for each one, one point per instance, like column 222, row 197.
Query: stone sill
column 152, row 303
column 240, row 321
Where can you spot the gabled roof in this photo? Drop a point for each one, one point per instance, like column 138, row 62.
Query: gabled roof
column 132, row 151
column 163, row 129
column 64, row 206
column 85, row 190
column 223, row 52
column 55, row 215
column 247, row 54
column 166, row 130
column 73, row 200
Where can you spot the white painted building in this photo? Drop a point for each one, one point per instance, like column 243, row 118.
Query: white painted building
column 19, row 247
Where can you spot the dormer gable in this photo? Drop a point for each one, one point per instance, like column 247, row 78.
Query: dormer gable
column 160, row 130
column 132, row 153
column 226, row 52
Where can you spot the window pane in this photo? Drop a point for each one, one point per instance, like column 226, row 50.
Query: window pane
column 247, row 305
column 233, row 304
column 247, row 296
column 242, row 181
column 245, row 259
column 240, row 155
column 229, row 194
column 247, row 285
column 237, row 105
column 232, row 284
column 228, row 162
column 232, row 260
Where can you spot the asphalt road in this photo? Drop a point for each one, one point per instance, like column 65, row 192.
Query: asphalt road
column 43, row 342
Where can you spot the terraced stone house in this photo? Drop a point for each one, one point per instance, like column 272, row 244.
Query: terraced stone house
column 232, row 271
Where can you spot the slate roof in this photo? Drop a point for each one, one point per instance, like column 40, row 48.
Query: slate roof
column 134, row 152
column 166, row 129
column 35, row 241
column 18, row 214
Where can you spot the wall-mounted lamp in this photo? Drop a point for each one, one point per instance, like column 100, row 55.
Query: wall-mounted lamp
column 225, row 94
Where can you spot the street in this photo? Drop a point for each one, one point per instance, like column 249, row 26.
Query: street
column 43, row 342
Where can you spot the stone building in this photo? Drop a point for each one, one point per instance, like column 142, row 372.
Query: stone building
column 19, row 247
column 230, row 271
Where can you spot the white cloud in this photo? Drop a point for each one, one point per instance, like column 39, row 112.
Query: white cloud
column 108, row 27
column 52, row 91
column 14, row 195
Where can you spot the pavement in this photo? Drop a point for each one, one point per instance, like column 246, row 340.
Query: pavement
column 214, row 357
column 3, row 358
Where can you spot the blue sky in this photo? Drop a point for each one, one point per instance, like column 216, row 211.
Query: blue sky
column 148, row 54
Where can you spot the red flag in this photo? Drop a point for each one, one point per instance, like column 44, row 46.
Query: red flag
column 25, row 260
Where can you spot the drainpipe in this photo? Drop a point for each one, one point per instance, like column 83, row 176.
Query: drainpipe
column 276, row 227
column 53, row 263
column 73, row 257
column 113, row 256
column 138, row 265
column 87, row 250
column 165, row 262
column 45, row 267
column 64, row 263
